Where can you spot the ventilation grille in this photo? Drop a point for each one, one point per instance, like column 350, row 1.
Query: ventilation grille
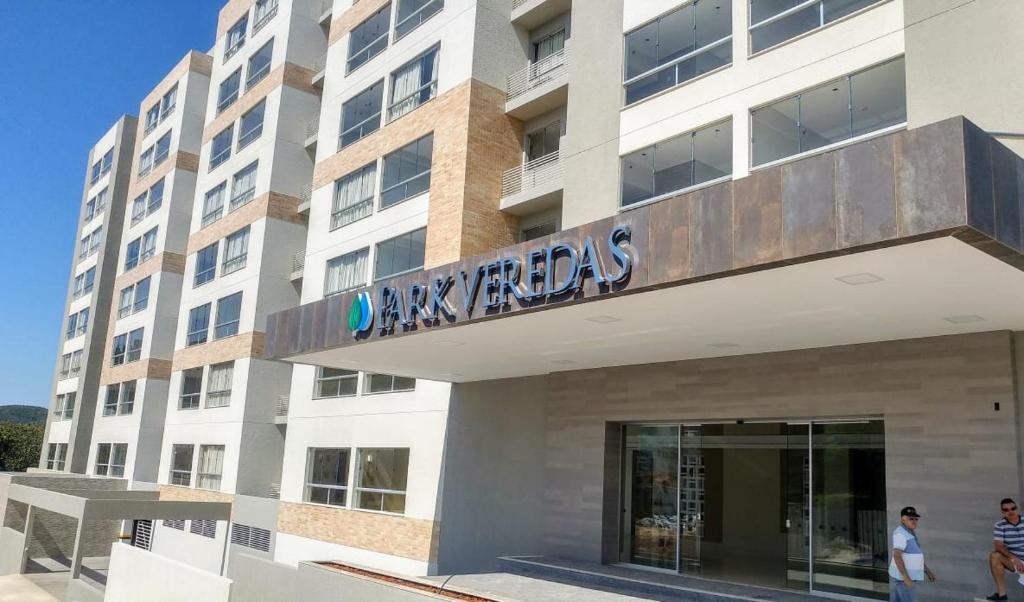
column 250, row 537
column 142, row 534
column 206, row 528
column 175, row 524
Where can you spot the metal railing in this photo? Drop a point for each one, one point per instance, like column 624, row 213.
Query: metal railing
column 298, row 263
column 517, row 3
column 313, row 127
column 306, row 194
column 538, row 73
column 532, row 174
column 281, row 409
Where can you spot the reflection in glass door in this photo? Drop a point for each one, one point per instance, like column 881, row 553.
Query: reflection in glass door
column 650, row 513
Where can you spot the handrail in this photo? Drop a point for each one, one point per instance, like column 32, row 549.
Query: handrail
column 538, row 72
column 532, row 174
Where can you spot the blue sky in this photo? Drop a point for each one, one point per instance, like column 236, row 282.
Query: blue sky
column 70, row 68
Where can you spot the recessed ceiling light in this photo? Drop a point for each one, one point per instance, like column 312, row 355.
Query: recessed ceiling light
column 563, row 362
column 724, row 345
column 968, row 319
column 603, row 319
column 450, row 344
column 858, row 279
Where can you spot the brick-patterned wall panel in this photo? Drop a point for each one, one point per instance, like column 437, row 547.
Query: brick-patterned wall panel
column 246, row 344
column 149, row 368
column 173, row 493
column 177, row 160
column 287, row 74
column 356, row 14
column 413, row 538
column 193, row 61
column 231, row 13
column 272, row 204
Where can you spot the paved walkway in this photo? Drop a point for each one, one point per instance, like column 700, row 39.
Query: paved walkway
column 507, row 587
column 49, row 587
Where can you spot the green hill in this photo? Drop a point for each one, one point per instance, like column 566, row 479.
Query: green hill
column 22, row 414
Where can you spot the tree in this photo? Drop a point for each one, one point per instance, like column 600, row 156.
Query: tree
column 19, row 446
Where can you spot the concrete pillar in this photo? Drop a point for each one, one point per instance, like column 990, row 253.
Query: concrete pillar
column 76, row 557
column 30, row 518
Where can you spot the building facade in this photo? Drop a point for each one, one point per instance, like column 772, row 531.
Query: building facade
column 701, row 288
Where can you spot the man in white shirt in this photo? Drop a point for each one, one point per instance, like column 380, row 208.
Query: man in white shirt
column 907, row 567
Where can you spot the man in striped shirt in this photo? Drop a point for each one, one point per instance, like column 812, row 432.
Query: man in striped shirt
column 1008, row 536
column 907, row 567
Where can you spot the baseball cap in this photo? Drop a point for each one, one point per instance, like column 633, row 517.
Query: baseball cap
column 910, row 511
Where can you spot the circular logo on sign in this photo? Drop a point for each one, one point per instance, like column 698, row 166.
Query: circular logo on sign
column 360, row 316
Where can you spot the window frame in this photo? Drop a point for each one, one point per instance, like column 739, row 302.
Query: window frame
column 178, row 476
column 194, row 398
column 231, row 49
column 362, row 132
column 218, row 159
column 319, row 379
column 224, row 102
column 789, row 12
column 416, row 13
column 309, row 484
column 358, row 489
column 386, row 35
column 230, row 265
column 245, row 138
column 251, row 78
column 207, row 274
column 368, row 380
column 210, row 476
column 363, row 208
column 198, row 336
column 224, row 394
column 423, row 174
column 432, row 85
column 376, row 255
column 234, row 324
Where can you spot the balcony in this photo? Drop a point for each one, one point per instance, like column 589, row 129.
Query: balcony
column 305, row 198
column 281, row 409
column 312, row 130
column 531, row 13
column 540, row 87
column 326, row 10
column 533, row 186
column 319, row 72
column 298, row 264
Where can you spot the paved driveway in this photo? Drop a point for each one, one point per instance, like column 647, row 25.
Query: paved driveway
column 33, row 588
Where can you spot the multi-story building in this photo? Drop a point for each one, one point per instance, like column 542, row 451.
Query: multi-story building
column 692, row 288
column 69, row 428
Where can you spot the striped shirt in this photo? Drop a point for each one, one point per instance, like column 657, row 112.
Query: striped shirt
column 905, row 540
column 1011, row 535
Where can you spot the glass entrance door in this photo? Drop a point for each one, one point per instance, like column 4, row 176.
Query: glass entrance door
column 650, row 512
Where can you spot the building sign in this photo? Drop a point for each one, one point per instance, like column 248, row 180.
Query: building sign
column 548, row 274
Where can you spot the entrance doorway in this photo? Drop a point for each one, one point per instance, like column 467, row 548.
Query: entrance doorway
column 797, row 505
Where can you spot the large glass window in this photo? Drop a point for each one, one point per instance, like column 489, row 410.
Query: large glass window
column 775, row 21
column 72, row 328
column 259, row 64
column 243, row 186
column 163, row 149
column 198, row 325
column 414, row 83
column 152, row 118
column 251, row 125
column 210, row 467
column 64, row 409
column 156, row 197
column 229, row 310
column 206, row 264
column 677, row 47
column 677, row 163
column 369, row 38
column 220, row 147
column 218, row 392
column 387, row 383
column 131, row 256
column 236, row 251
column 406, row 171
column 134, row 345
column 213, row 204
column 262, row 14
column 117, row 349
column 126, row 401
column 327, row 476
column 181, row 464
column 168, row 102
column 191, row 388
column 360, row 115
column 56, row 456
column 148, row 249
column 346, row 272
column 141, row 295
column 400, row 254
column 353, row 196
column 412, row 13
column 111, row 459
column 867, row 101
column 381, row 479
column 335, row 382
column 235, row 38
column 228, row 93
column 110, row 403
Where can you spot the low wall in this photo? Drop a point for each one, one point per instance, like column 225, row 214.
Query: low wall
column 137, row 574
column 254, row 578
column 11, row 545
column 320, row 584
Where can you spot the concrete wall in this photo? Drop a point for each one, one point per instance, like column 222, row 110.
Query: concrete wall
column 315, row 583
column 259, row 579
column 944, row 78
column 134, row 571
column 12, row 543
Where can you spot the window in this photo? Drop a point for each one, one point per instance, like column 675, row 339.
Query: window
column 118, row 349
column 773, row 22
column 327, row 476
column 131, row 255
column 64, row 409
column 191, row 387
column 387, row 383
column 251, row 125
column 213, row 204
column 406, row 172
column 220, row 148
column 413, row 84
column 250, row 537
column 90, row 281
column 108, row 161
column 243, row 186
column 163, row 149
column 146, row 161
column 540, row 231
column 139, row 208
column 228, row 93
column 236, row 250
column 72, row 328
column 174, row 524
column 152, row 118
column 156, row 196
column 56, row 456
column 411, row 13
column 369, row 38
column 83, row 247
column 78, row 323
column 110, row 403
column 133, row 298
column 229, row 310
column 211, row 464
column 76, row 363
column 95, row 240
column 148, row 245
column 381, row 479
column 134, row 345
column 181, row 464
column 206, row 528
column 858, row 104
column 360, row 115
column 206, row 265
column 110, row 459
column 677, row 47
column 335, row 382
column 544, row 141
column 126, row 403
column 259, row 64
column 96, row 167
column 346, row 272
column 198, row 325
column 218, row 393
column 90, row 210
column 65, row 366
column 677, row 164
column 235, row 38
column 265, row 11
column 101, row 198
column 400, row 254
column 168, row 102
column 353, row 196
column 124, row 303
column 141, row 295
